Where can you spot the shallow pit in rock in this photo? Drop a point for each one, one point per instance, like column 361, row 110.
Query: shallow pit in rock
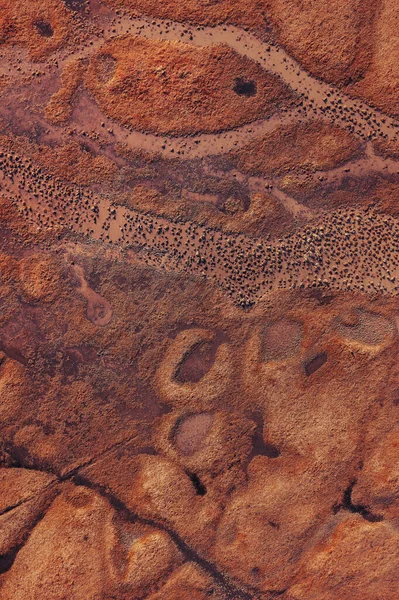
column 192, row 431
column 315, row 363
column 44, row 28
column 243, row 87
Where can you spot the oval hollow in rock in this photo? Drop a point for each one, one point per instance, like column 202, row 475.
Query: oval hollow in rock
column 366, row 327
column 191, row 432
column 197, row 362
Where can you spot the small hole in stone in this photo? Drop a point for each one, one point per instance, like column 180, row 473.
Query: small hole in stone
column 244, row 88
column 255, row 572
column 198, row 485
column 259, row 446
column 44, row 28
column 315, row 363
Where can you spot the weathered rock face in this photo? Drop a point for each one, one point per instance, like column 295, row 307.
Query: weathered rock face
column 149, row 85
column 199, row 314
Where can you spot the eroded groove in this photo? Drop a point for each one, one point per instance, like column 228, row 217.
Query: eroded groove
column 7, row 560
column 29, row 498
column 231, row 590
column 360, row 509
column 197, row 484
column 20, row 459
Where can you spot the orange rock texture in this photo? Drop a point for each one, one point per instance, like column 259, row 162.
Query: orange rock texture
column 199, row 314
column 179, row 89
column 41, row 26
column 303, row 147
column 204, row 12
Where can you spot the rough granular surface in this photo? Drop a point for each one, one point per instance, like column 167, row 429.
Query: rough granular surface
column 199, row 313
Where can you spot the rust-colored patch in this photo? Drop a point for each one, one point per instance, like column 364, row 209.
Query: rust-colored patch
column 172, row 87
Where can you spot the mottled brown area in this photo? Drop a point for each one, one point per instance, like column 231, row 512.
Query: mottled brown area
column 303, row 147
column 199, row 315
column 281, row 339
column 59, row 109
column 174, row 88
column 331, row 39
column 192, row 431
column 187, row 470
column 380, row 82
column 204, row 12
column 351, row 553
column 41, row 26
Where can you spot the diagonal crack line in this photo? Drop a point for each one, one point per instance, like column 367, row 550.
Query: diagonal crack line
column 29, row 463
column 90, row 461
column 233, row 592
column 7, row 559
column 59, row 478
column 45, row 488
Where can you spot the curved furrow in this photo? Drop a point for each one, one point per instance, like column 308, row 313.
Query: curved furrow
column 346, row 250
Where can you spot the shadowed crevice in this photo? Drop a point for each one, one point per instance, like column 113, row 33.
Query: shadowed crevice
column 360, row 509
column 7, row 560
column 315, row 363
column 230, row 589
column 197, row 484
column 259, row 446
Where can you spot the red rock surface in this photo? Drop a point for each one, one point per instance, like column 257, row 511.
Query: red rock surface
column 199, row 307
